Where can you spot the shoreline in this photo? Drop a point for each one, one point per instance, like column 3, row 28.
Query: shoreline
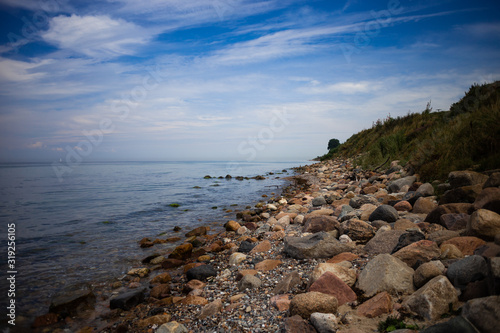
column 249, row 279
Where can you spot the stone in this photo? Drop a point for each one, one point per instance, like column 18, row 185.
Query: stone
column 72, row 302
column 466, row 178
column 317, row 223
column 318, row 245
column 412, row 197
column 343, row 272
column 194, row 300
column 404, row 224
column 160, row 291
column 408, row 238
column 318, row 201
column 299, row 219
column 466, row 194
column 360, row 200
column 172, row 327
column 155, row 320
column 346, row 256
column 324, row 322
column 476, row 289
column 296, row 324
column 287, row 283
column 450, row 251
column 370, row 189
column 281, row 302
column 493, row 180
column 376, row 306
column 232, row 226
column 306, row 304
column 483, row 313
column 417, row 253
column 243, row 272
column 403, row 206
column 268, row 265
column 466, row 270
column 211, row 309
column 426, row 272
column 424, row 206
column 246, row 246
column 358, row 230
column 45, row 320
column 200, row 231
column 396, row 185
column 386, row 273
column 458, row 324
column 127, row 300
column 383, row 242
column 237, row 258
column 201, row 272
column 433, row 299
column 385, row 213
column 171, row 263
column 484, row 223
column 489, row 198
column 330, row 284
column 284, row 221
column 263, row 246
column 193, row 285
column 140, row 272
column 182, row 252
column 322, row 211
column 249, row 282
column 426, row 190
column 467, row 245
column 453, row 208
column 454, row 222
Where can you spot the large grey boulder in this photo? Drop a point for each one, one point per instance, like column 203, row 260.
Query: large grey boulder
column 384, row 213
column 484, row 313
column 396, row 185
column 318, row 245
column 469, row 269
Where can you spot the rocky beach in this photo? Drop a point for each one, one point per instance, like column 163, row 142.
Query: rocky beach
column 339, row 250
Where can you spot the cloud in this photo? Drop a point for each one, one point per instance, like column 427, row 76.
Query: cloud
column 19, row 71
column 36, row 145
column 341, row 87
column 96, row 36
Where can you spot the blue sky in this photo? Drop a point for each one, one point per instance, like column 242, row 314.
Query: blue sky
column 227, row 79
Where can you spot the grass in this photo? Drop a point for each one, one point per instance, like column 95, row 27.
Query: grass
column 434, row 143
column 392, row 324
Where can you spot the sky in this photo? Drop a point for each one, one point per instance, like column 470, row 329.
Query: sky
column 232, row 80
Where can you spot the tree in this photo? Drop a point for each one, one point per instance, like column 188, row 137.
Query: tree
column 333, row 143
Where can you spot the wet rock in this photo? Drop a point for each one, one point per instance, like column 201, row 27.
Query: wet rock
column 45, row 320
column 489, row 198
column 385, row 213
column 386, row 273
column 172, row 327
column 140, row 272
column 360, row 200
column 458, row 325
column 201, row 272
column 318, row 201
column 483, row 313
column 376, row 306
column 330, row 284
column 467, row 270
column 232, row 226
column 171, row 263
column 249, row 282
column 200, row 231
column 383, row 242
column 466, row 245
column 426, row 272
column 417, row 253
column 424, row 206
column 358, row 230
column 286, row 284
column 397, row 185
column 453, row 208
column 296, row 324
column 319, row 223
column 408, row 238
column 324, row 322
column 306, row 304
column 127, row 300
column 466, row 178
column 433, row 299
column 246, row 246
column 71, row 303
column 211, row 309
column 484, row 223
column 426, row 190
column 318, row 245
column 182, row 252
column 236, row 258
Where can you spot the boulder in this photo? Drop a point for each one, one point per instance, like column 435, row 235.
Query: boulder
column 426, row 272
column 466, row 245
column 433, row 299
column 493, row 180
column 249, row 282
column 330, row 284
column 426, row 190
column 295, row 324
column 408, row 238
column 483, row 313
column 324, row 322
column 306, row 304
column 383, row 241
column 172, row 327
column 192, row 285
column 287, row 283
column 201, row 273
column 453, row 208
column 376, row 306
column 127, row 300
column 457, row 325
column 385, row 213
column 342, row 271
column 396, row 185
column 317, row 223
column 484, row 223
column 318, row 245
column 360, row 200
column 417, row 253
column 466, row 270
column 466, row 194
column 358, row 230
column 72, row 302
column 489, row 198
column 466, row 178
column 424, row 206
column 386, row 273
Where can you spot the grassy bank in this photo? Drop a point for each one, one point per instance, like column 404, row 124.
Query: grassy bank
column 434, row 143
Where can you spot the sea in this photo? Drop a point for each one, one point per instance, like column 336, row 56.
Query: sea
column 84, row 227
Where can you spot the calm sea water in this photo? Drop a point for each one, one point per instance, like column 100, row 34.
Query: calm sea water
column 86, row 228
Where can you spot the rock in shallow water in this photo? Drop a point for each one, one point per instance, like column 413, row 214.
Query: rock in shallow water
column 127, row 300
column 71, row 303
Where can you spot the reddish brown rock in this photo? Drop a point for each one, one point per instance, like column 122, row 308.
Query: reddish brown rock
column 452, row 208
column 454, row 221
column 317, row 223
column 200, row 231
column 211, row 309
column 466, row 245
column 191, row 265
column 346, row 256
column 296, row 324
column 376, row 306
column 268, row 265
column 172, row 239
column 369, row 190
column 171, row 263
column 358, row 230
column 263, row 246
column 45, row 320
column 162, row 278
column 281, row 302
column 403, row 206
column 192, row 285
column 160, row 291
column 423, row 206
column 182, row 252
column 194, row 300
column 145, row 243
column 243, row 272
column 330, row 284
column 419, row 252
column 232, row 226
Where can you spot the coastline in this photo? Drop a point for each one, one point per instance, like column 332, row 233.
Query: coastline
column 249, row 278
